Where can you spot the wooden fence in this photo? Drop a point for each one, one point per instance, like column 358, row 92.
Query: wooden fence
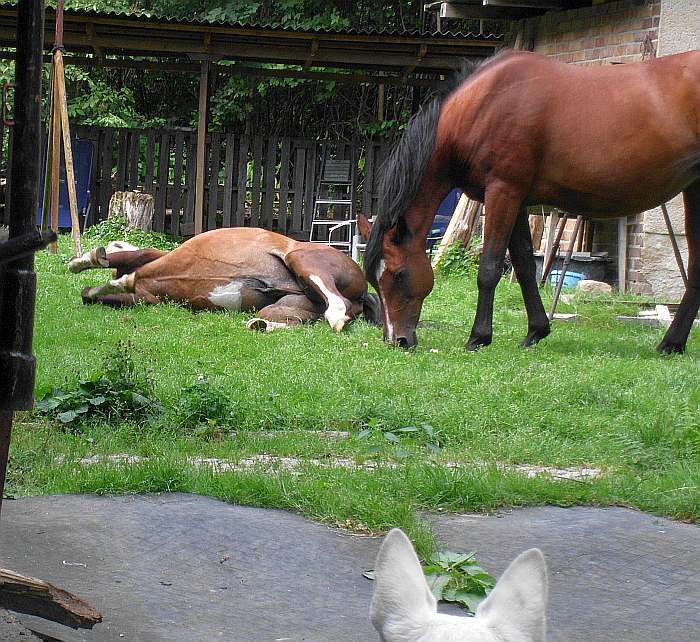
column 249, row 181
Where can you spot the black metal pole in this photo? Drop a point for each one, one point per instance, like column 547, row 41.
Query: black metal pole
column 17, row 279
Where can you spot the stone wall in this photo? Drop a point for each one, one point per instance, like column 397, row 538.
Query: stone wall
column 679, row 30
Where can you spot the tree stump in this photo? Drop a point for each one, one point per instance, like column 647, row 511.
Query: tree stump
column 136, row 208
column 461, row 227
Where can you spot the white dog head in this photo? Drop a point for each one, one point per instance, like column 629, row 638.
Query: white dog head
column 403, row 608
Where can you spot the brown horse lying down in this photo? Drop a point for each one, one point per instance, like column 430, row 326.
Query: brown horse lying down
column 248, row 269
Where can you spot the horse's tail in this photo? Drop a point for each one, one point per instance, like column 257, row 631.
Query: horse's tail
column 371, row 308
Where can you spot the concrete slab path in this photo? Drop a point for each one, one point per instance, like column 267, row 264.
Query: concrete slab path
column 184, row 568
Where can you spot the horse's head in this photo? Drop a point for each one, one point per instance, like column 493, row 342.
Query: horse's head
column 398, row 268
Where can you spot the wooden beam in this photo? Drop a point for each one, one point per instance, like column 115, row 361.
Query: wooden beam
column 478, row 11
column 203, row 121
column 67, row 151
column 32, row 596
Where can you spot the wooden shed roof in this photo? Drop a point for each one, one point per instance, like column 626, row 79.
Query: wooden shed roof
column 101, row 35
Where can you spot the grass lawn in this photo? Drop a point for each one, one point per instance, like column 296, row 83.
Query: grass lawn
column 593, row 395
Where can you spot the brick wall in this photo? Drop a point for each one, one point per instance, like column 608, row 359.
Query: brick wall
column 607, row 33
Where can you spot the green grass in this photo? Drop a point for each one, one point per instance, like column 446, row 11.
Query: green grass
column 593, row 394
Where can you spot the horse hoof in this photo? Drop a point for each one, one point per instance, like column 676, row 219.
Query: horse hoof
column 474, row 344
column 535, row 337
column 264, row 325
column 668, row 347
column 85, row 296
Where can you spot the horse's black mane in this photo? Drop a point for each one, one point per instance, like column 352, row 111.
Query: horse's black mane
column 403, row 170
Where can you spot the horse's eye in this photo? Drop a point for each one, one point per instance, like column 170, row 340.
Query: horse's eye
column 400, row 275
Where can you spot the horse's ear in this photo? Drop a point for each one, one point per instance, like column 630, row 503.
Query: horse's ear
column 364, row 226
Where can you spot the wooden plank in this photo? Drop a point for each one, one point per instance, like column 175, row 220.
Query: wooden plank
column 150, row 146
column 133, row 161
column 269, row 181
column 33, row 596
column 310, row 184
column 368, row 182
column 242, row 181
column 299, row 165
column 162, row 182
column 201, row 145
column 122, row 155
column 229, row 175
column 188, row 217
column 176, row 199
column 68, row 152
column 105, row 173
column 215, row 160
column 257, row 175
column 284, row 186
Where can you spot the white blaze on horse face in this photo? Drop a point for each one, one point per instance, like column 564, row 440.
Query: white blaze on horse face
column 227, row 296
column 380, row 269
column 336, row 313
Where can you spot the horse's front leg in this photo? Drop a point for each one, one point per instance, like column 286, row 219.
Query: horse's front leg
column 677, row 335
column 501, row 205
column 521, row 254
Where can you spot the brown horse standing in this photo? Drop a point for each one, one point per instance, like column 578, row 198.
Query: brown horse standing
column 246, row 269
column 520, row 130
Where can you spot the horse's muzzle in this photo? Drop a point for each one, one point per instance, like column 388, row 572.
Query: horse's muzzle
column 404, row 340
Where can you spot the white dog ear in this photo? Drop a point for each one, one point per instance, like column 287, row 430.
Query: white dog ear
column 402, row 600
column 518, row 602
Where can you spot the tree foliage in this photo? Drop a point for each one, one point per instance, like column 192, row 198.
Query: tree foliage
column 129, row 98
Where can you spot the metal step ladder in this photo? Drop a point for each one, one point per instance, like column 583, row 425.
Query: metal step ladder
column 333, row 221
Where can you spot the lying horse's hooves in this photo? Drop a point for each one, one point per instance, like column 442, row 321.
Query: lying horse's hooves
column 94, row 258
column 264, row 325
column 85, row 296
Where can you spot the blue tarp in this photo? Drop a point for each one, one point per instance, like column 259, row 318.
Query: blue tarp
column 82, row 167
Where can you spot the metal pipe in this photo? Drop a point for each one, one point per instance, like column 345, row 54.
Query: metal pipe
column 553, row 250
column 567, row 260
column 674, row 245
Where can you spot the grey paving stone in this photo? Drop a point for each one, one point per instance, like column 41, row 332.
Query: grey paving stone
column 177, row 567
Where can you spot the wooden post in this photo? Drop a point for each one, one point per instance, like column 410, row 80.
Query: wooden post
column 380, row 102
column 67, row 151
column 551, row 255
column 674, row 245
column 622, row 254
column 201, row 145
column 55, row 158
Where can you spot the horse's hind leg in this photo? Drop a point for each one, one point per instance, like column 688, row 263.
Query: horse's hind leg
column 520, row 247
column 123, row 262
column 502, row 205
column 677, row 335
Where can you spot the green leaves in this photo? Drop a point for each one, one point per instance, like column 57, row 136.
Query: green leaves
column 115, row 228
column 457, row 577
column 120, row 391
column 395, row 438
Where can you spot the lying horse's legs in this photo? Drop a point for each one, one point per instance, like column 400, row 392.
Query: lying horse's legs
column 289, row 311
column 520, row 247
column 502, row 205
column 124, row 262
column 677, row 335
